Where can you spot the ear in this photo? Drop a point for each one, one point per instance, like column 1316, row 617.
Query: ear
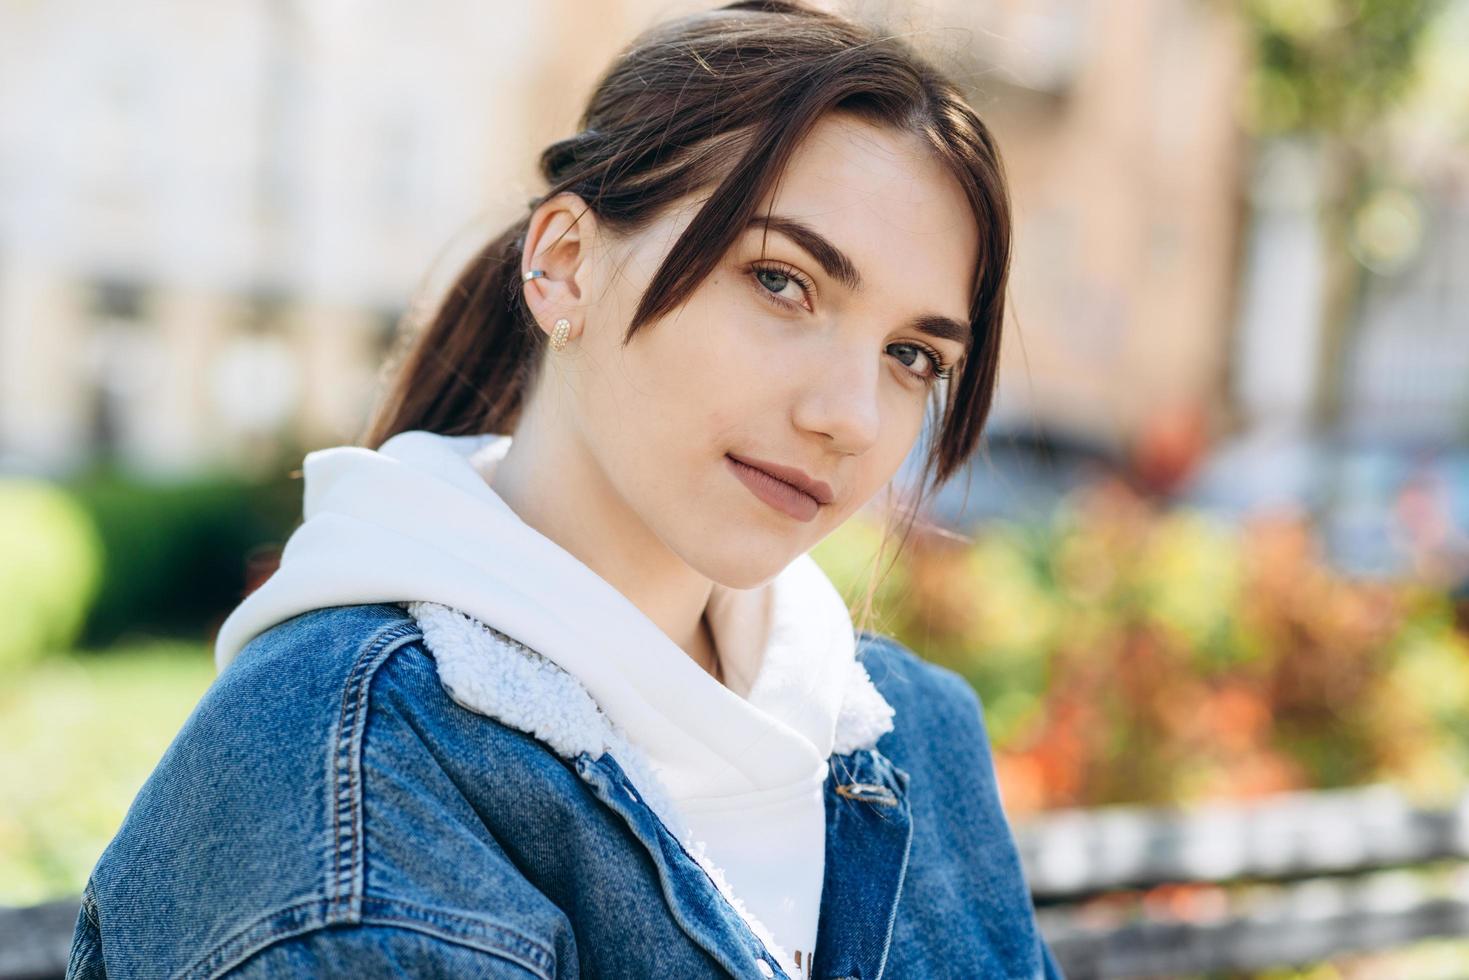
column 560, row 239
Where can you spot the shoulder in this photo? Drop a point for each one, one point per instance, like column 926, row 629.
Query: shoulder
column 931, row 703
column 321, row 748
column 962, row 841
column 939, row 734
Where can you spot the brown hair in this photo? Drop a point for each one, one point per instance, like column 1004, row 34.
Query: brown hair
column 744, row 83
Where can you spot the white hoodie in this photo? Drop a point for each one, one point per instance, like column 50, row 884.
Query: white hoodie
column 735, row 771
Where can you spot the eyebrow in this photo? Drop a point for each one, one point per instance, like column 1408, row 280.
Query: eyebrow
column 841, row 268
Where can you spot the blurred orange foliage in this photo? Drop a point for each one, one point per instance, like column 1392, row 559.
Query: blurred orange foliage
column 1130, row 653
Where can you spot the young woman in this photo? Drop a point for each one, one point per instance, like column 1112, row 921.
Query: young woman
column 546, row 684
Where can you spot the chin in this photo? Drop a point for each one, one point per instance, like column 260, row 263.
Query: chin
column 738, row 569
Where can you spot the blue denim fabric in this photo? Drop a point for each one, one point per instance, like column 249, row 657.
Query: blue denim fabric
column 327, row 810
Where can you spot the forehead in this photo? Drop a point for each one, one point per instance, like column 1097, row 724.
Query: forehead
column 882, row 198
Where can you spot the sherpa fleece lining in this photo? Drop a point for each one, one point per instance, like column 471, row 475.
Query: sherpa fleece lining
column 495, row 675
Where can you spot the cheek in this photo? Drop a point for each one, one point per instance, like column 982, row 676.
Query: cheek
column 714, row 352
column 685, row 383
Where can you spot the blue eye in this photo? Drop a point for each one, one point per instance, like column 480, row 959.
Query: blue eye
column 762, row 273
column 773, row 278
column 937, row 371
column 782, row 276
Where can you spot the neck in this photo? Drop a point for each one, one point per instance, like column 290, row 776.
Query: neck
column 708, row 656
column 557, row 488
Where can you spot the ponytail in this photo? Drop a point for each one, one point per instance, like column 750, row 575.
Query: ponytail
column 470, row 369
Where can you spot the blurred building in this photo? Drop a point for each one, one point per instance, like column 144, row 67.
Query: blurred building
column 212, row 218
column 212, row 221
column 1121, row 139
column 1406, row 370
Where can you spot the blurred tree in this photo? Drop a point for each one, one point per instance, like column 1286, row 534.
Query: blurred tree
column 179, row 554
column 50, row 569
column 1332, row 71
column 1129, row 653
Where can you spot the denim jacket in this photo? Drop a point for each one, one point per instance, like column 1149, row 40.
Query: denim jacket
column 328, row 810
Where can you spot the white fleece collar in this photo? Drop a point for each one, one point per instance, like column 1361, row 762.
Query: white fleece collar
column 417, row 522
column 492, row 674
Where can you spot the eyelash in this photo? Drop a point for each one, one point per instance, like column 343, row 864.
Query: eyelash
column 941, row 369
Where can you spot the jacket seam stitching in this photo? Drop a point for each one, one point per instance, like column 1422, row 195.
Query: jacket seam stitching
column 226, row 960
column 89, row 907
column 241, row 945
column 538, row 960
column 259, row 936
column 372, row 653
column 346, row 765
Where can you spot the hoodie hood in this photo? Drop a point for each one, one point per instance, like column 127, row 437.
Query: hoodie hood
column 417, row 522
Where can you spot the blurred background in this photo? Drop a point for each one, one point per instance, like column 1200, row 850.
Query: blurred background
column 1210, row 575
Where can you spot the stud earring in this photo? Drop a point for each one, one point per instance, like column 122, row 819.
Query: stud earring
column 559, row 335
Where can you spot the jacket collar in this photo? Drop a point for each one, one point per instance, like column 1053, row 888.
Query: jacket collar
column 493, row 674
column 868, row 822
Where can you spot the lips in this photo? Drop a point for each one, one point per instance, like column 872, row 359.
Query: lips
column 775, row 492
column 819, row 489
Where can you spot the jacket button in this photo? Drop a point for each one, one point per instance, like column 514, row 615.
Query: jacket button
column 765, row 968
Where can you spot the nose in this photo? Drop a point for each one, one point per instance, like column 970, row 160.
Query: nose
column 840, row 398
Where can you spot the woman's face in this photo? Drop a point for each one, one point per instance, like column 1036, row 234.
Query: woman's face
column 802, row 357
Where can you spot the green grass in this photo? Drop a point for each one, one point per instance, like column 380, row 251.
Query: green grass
column 80, row 734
